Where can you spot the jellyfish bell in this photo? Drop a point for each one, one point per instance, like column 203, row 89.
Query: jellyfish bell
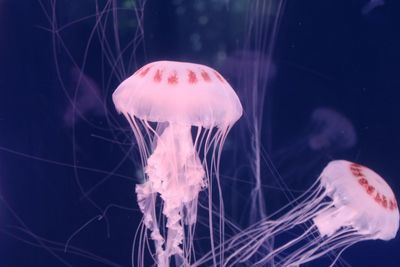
column 347, row 204
column 85, row 97
column 361, row 200
column 177, row 97
column 331, row 130
column 371, row 5
column 181, row 93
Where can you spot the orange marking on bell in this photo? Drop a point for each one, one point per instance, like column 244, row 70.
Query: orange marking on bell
column 391, row 205
column 144, row 72
column 357, row 172
column 205, row 76
column 219, row 76
column 173, row 79
column 355, row 165
column 192, row 77
column 384, row 201
column 158, row 76
column 139, row 71
column 378, row 198
column 370, row 189
column 363, row 181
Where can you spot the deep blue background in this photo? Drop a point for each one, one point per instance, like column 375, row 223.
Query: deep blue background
column 328, row 54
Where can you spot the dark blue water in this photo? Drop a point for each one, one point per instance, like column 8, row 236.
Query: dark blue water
column 336, row 55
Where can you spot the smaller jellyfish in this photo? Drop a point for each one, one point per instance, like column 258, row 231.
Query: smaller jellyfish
column 331, row 130
column 241, row 67
column 347, row 204
column 327, row 131
column 85, row 98
column 371, row 5
column 180, row 114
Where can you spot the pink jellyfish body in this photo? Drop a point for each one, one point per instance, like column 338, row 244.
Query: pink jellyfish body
column 178, row 112
column 348, row 203
column 361, row 200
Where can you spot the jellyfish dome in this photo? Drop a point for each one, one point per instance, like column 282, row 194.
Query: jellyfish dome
column 331, row 130
column 362, row 200
column 347, row 204
column 177, row 111
column 179, row 92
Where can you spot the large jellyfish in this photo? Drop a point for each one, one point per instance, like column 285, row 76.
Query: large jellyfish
column 348, row 203
column 178, row 112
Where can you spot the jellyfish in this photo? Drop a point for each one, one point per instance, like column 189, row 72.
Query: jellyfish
column 180, row 114
column 86, row 97
column 371, row 5
column 327, row 130
column 348, row 203
column 331, row 130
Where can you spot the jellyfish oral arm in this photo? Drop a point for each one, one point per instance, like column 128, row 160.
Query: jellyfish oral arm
column 146, row 199
column 175, row 172
column 174, row 169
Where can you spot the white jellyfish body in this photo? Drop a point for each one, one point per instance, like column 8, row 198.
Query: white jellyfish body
column 348, row 203
column 179, row 92
column 362, row 201
column 163, row 102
